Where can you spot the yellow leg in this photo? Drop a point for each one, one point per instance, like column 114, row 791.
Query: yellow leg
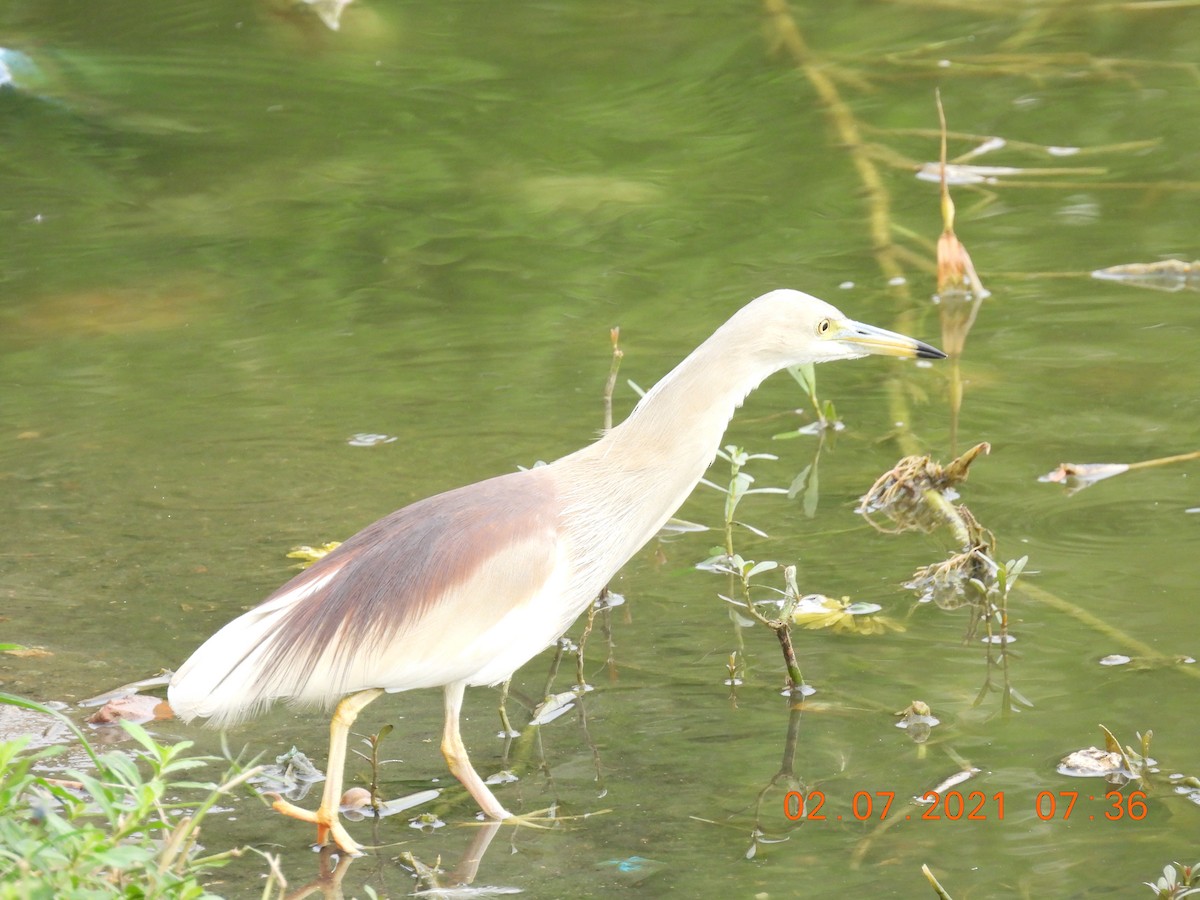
column 325, row 817
column 459, row 762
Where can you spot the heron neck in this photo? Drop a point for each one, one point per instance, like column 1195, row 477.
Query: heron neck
column 640, row 472
column 679, row 424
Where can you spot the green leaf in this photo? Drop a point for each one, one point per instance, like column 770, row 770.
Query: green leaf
column 14, row 700
column 812, row 493
column 139, row 734
column 765, row 566
column 124, row 856
column 806, row 376
column 756, row 531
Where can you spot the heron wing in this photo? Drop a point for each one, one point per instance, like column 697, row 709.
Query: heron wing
column 406, row 602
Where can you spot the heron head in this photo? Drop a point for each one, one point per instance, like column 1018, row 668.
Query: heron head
column 809, row 330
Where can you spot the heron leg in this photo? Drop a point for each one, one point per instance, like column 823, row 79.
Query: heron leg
column 325, row 817
column 456, row 756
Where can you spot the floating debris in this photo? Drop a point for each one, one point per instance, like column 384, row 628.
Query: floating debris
column 292, row 775
column 1077, row 476
column 961, row 580
column 427, row 822
column 552, row 707
column 1092, row 763
column 355, row 798
column 900, row 493
column 961, row 174
column 941, row 787
column 364, row 439
column 918, row 720
column 309, row 555
column 23, row 652
column 818, row 611
column 1165, row 275
column 18, row 71
column 1186, row 785
column 633, row 869
column 137, row 708
column 162, row 679
column 1115, row 763
column 1146, row 663
column 972, row 578
column 609, row 600
column 356, row 803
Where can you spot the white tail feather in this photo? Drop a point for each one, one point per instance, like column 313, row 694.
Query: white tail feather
column 224, row 680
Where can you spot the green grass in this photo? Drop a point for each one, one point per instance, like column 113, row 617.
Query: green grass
column 122, row 831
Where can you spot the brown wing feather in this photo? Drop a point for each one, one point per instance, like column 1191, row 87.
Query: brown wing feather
column 389, row 574
column 388, row 608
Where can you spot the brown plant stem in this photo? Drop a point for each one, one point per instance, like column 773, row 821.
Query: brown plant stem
column 784, row 633
column 1164, row 460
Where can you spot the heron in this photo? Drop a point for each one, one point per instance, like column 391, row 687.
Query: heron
column 462, row 588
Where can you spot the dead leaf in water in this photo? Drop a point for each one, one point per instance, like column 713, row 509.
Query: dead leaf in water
column 1165, row 275
column 1077, row 476
column 162, row 679
column 309, row 555
column 1091, row 761
column 138, row 708
column 27, row 652
column 818, row 611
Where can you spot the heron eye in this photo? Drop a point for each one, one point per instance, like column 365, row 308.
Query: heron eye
column 823, row 326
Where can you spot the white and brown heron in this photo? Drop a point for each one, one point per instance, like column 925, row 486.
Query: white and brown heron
column 464, row 587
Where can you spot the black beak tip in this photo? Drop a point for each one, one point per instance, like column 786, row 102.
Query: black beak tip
column 926, row 351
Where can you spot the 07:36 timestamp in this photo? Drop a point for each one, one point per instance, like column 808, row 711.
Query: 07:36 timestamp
column 973, row 806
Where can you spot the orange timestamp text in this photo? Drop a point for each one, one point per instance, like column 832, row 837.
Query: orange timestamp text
column 972, row 806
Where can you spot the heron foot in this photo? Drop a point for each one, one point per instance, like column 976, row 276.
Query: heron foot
column 329, row 826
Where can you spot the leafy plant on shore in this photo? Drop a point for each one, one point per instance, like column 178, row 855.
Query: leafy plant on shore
column 115, row 829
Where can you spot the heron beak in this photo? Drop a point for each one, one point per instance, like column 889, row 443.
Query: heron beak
column 870, row 339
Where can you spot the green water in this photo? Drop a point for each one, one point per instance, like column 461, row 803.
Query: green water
column 233, row 239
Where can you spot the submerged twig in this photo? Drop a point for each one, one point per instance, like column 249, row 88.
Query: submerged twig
column 1091, row 620
column 937, row 886
column 788, row 36
column 617, row 355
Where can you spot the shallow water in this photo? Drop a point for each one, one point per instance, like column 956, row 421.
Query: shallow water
column 235, row 239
